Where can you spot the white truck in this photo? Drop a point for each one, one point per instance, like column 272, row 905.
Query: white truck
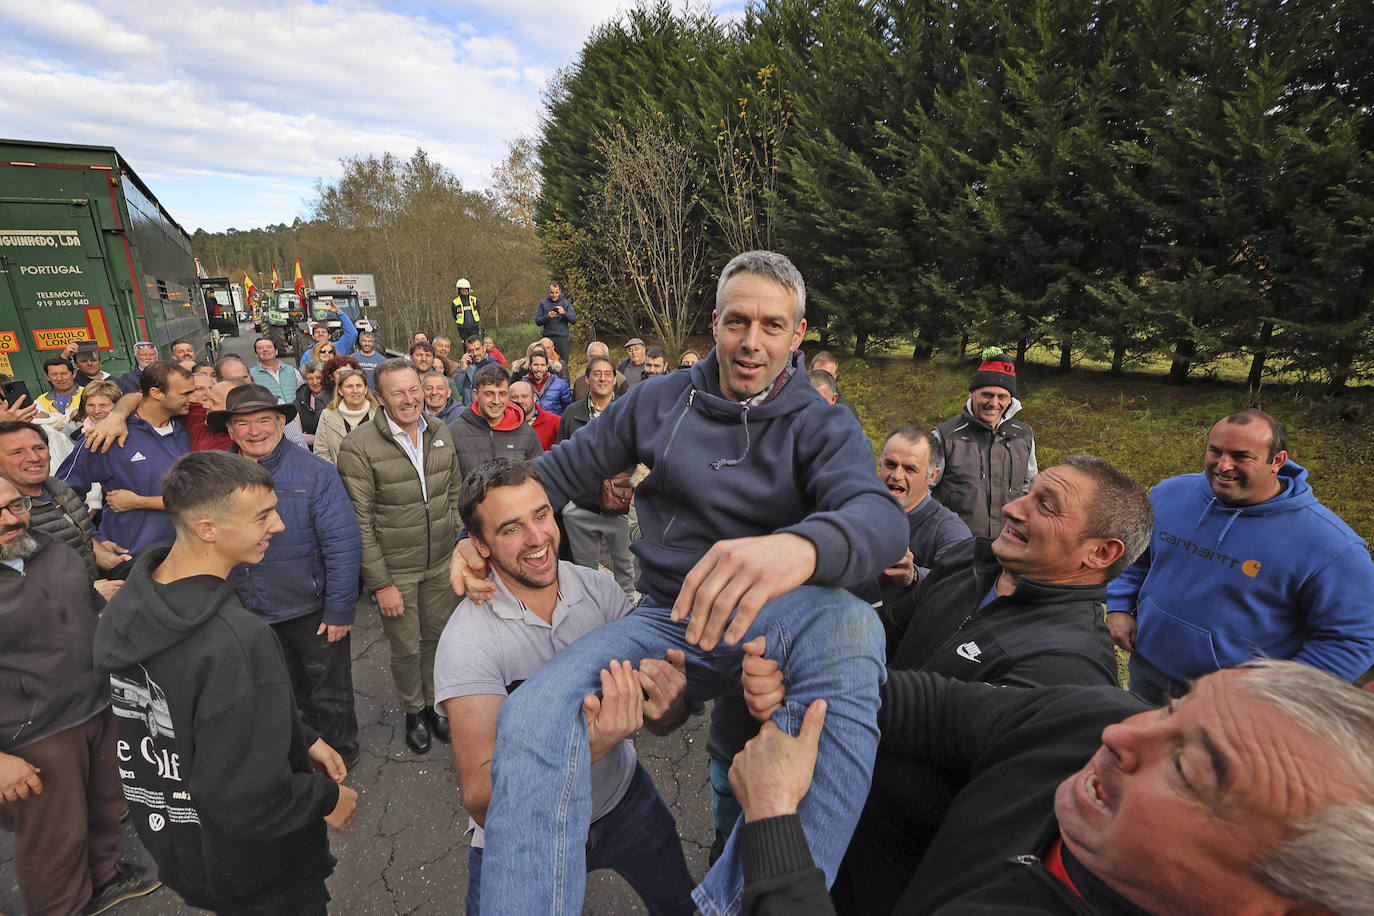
column 355, row 294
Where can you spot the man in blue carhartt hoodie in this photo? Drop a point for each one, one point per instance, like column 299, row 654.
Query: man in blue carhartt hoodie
column 1244, row 563
column 761, row 505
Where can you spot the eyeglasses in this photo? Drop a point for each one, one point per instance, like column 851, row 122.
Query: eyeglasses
column 330, row 350
column 20, row 506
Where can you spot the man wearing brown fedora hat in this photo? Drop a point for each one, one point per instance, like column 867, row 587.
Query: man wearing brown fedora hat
column 311, row 614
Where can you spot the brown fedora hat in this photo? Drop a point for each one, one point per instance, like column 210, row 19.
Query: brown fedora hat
column 247, row 399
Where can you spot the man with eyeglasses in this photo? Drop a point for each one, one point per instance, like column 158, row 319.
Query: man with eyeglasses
column 60, row 793
column 145, row 354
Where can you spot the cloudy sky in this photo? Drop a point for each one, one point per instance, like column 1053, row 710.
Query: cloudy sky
column 230, row 112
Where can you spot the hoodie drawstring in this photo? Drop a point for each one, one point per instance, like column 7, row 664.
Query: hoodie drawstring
column 730, row 462
column 1235, row 514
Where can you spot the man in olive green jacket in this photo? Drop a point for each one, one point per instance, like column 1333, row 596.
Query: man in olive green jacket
column 402, row 474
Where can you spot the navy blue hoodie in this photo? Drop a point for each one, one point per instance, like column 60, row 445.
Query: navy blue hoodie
column 720, row 470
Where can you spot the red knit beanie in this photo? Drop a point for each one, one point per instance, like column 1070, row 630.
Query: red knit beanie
column 997, row 368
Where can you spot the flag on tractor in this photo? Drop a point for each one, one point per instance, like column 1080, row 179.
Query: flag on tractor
column 299, row 285
column 248, row 287
column 276, row 281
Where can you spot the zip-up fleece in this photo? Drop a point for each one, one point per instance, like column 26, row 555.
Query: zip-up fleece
column 1220, row 585
column 721, row 469
column 403, row 533
column 1041, row 634
column 452, row 407
column 478, row 441
column 984, row 468
column 1009, row 749
column 212, row 752
column 312, row 564
column 47, row 620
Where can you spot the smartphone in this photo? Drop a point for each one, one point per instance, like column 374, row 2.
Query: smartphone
column 13, row 390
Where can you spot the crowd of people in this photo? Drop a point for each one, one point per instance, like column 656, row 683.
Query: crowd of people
column 912, row 660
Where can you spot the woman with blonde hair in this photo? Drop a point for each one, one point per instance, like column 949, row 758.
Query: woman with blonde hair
column 353, row 405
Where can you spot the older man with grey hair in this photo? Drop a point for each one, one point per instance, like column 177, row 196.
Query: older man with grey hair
column 580, row 386
column 824, row 383
column 145, row 354
column 1254, row 793
column 1023, row 610
column 402, row 475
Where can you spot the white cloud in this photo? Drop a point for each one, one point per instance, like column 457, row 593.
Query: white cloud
column 275, row 93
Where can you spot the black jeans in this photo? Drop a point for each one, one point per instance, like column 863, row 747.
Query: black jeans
column 560, row 346
column 322, row 679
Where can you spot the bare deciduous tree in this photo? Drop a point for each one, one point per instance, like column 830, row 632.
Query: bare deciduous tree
column 516, row 181
column 651, row 225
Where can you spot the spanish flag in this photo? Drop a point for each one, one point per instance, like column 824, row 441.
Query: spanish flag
column 248, row 287
column 299, row 285
column 276, row 281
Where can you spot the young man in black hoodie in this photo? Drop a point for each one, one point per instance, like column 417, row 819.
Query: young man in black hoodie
column 222, row 777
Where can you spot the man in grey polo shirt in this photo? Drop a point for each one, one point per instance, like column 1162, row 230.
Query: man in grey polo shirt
column 488, row 650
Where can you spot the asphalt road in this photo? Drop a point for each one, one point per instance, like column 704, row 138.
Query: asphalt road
column 406, row 852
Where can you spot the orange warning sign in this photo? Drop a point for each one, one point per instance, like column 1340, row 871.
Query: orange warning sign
column 95, row 323
column 9, row 342
column 57, row 338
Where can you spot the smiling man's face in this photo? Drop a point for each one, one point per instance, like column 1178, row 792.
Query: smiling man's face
column 24, row 460
column 519, row 534
column 1237, row 463
column 904, row 467
column 756, row 331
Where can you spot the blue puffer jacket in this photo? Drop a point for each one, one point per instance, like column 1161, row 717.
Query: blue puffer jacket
column 313, row 563
column 556, row 395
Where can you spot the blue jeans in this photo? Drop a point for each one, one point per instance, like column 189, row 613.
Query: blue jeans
column 638, row 840
column 829, row 645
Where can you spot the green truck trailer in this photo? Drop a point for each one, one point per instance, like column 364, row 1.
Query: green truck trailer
column 88, row 253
